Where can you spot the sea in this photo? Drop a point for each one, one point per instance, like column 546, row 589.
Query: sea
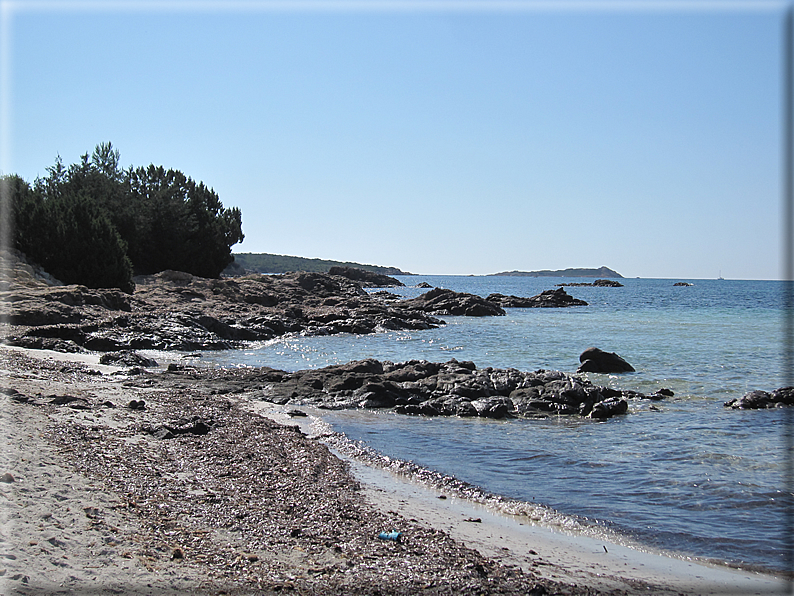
column 685, row 476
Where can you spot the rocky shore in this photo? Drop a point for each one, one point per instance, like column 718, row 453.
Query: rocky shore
column 436, row 389
column 178, row 311
column 120, row 476
column 231, row 502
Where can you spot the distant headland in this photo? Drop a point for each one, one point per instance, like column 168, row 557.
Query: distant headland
column 251, row 262
column 247, row 262
column 601, row 272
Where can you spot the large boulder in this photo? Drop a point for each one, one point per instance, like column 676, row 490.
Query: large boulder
column 597, row 361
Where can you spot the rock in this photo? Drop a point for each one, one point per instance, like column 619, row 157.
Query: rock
column 162, row 433
column 178, row 311
column 78, row 403
column 682, row 283
column 368, row 279
column 757, row 400
column 453, row 388
column 494, row 407
column 548, row 299
column 127, row 358
column 384, row 295
column 424, row 284
column 609, row 408
column 597, row 361
column 195, row 426
column 599, row 283
column 440, row 301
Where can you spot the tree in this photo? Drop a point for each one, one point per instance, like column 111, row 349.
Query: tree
column 180, row 224
column 94, row 223
column 67, row 233
column 87, row 248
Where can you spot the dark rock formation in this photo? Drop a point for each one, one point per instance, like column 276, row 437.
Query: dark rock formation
column 682, row 283
column 440, row 301
column 177, row 311
column 548, row 299
column 384, row 295
column 597, row 361
column 45, row 305
column 758, row 400
column 599, row 283
column 446, row 389
column 424, row 284
column 127, row 358
column 368, row 279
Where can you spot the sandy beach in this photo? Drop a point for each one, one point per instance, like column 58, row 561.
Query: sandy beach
column 98, row 498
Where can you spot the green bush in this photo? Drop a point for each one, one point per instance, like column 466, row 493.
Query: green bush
column 95, row 224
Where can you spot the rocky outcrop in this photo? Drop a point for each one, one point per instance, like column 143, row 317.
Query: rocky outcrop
column 127, row 358
column 607, row 283
column 440, row 301
column 367, row 279
column 452, row 388
column 53, row 305
column 548, row 299
column 599, row 283
column 177, row 311
column 759, row 400
column 597, row 361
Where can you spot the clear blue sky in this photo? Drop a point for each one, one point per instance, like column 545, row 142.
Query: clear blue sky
column 457, row 139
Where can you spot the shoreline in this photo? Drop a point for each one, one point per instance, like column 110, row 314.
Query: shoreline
column 85, row 535
column 538, row 547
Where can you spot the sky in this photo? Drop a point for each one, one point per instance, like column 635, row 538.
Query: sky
column 451, row 137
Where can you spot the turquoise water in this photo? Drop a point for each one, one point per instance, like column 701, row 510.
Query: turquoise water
column 692, row 477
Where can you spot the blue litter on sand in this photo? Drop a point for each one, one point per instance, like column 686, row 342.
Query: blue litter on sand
column 393, row 535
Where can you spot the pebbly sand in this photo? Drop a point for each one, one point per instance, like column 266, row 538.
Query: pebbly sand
column 236, row 503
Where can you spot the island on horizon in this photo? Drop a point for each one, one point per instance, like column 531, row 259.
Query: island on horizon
column 601, row 272
column 247, row 262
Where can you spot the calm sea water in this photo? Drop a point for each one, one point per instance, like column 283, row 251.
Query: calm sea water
column 692, row 478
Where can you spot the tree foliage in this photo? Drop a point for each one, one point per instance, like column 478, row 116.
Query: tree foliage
column 70, row 235
column 95, row 224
